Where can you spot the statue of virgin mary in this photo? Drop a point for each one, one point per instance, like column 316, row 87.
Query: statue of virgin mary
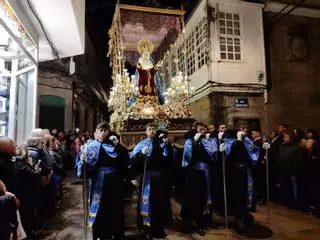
column 147, row 76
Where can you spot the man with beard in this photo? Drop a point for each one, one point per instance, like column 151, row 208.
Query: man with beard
column 153, row 155
column 104, row 166
column 199, row 152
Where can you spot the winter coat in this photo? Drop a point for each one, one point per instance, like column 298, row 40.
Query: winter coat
column 8, row 172
column 289, row 158
column 57, row 165
column 29, row 181
column 38, row 153
column 8, row 217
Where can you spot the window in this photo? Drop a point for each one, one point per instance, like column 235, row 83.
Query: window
column 173, row 65
column 191, row 61
column 201, row 42
column 229, row 36
column 192, row 54
column 196, row 45
column 181, row 57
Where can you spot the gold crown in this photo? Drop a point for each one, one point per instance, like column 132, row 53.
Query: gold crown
column 145, row 43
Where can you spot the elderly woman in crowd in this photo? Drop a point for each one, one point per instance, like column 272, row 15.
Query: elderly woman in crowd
column 29, row 187
column 39, row 153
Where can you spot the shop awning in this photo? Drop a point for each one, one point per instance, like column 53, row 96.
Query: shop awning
column 63, row 21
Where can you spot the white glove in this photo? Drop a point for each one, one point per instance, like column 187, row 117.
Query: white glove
column 266, row 145
column 161, row 135
column 197, row 136
column 239, row 136
column 83, row 148
column 135, row 183
column 220, row 135
column 222, row 148
column 114, row 139
column 145, row 150
column 207, row 135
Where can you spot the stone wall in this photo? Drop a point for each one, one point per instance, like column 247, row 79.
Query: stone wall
column 225, row 110
column 202, row 109
column 56, row 84
column 219, row 107
column 86, row 122
column 294, row 97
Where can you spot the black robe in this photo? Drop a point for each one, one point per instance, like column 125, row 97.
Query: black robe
column 110, row 216
column 160, row 188
column 195, row 191
column 237, row 165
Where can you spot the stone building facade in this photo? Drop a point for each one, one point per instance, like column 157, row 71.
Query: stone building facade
column 225, row 62
column 59, row 106
column 294, row 96
column 71, row 101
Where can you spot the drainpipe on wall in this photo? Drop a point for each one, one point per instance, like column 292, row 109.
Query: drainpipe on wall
column 265, row 96
column 211, row 17
column 72, row 104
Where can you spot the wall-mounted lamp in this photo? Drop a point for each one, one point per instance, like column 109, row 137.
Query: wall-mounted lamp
column 260, row 76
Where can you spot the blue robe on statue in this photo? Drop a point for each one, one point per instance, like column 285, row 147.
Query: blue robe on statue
column 92, row 151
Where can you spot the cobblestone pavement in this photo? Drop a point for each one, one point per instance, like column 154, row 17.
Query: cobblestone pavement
column 283, row 224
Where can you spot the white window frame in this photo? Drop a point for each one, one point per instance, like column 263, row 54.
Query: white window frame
column 193, row 56
column 191, row 53
column 201, row 46
column 229, row 37
column 181, row 56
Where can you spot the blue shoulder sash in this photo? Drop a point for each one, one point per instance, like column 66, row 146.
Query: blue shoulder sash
column 253, row 150
column 187, row 153
column 92, row 150
column 138, row 148
column 211, row 146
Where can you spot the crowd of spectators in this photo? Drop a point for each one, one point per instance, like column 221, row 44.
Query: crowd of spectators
column 294, row 162
column 31, row 175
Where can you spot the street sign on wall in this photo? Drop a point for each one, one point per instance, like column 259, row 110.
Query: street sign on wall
column 241, row 102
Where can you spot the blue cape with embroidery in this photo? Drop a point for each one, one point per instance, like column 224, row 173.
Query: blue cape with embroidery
column 147, row 143
column 211, row 146
column 91, row 153
column 252, row 149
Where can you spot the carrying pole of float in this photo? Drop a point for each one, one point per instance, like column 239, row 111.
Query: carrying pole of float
column 267, row 185
column 222, row 150
column 143, row 177
column 85, row 195
column 266, row 147
column 225, row 191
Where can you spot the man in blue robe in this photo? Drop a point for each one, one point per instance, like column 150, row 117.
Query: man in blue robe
column 104, row 163
column 152, row 156
column 241, row 155
column 199, row 151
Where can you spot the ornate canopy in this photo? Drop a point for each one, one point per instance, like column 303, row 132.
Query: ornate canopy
column 133, row 23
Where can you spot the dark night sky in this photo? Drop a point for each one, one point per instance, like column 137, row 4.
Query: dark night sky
column 99, row 15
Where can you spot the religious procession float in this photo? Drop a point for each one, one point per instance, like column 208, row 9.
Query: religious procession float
column 140, row 37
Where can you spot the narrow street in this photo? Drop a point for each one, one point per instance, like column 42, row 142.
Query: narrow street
column 284, row 224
